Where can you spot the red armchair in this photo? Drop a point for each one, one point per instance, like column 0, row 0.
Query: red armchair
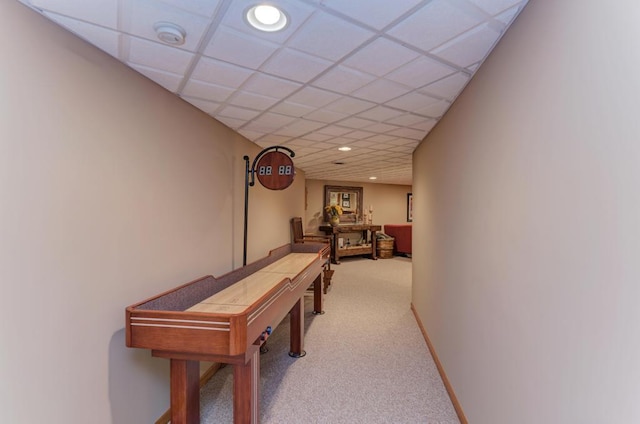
column 402, row 235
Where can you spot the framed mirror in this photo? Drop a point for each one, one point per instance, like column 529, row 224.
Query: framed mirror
column 349, row 198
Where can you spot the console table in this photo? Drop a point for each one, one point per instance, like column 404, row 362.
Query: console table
column 368, row 232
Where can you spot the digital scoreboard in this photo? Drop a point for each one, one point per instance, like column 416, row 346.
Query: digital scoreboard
column 275, row 170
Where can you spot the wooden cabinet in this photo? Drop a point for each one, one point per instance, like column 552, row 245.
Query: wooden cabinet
column 368, row 232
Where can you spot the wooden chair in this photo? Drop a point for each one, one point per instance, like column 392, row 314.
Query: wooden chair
column 299, row 237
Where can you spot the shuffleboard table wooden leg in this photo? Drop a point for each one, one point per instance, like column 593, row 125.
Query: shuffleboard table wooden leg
column 296, row 319
column 318, row 296
column 185, row 391
column 246, row 391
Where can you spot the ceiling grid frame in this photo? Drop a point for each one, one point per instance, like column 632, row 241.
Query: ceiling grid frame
column 308, row 94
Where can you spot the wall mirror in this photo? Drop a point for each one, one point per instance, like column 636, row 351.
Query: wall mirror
column 349, row 198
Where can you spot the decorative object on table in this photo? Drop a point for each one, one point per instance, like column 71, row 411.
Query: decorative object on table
column 384, row 246
column 349, row 199
column 334, row 212
column 370, row 214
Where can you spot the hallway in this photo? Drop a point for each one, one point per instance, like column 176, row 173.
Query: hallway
column 366, row 362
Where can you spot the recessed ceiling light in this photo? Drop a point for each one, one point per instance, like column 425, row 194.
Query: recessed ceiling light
column 170, row 33
column 344, row 148
column 266, row 17
column 338, row 163
column 373, row 178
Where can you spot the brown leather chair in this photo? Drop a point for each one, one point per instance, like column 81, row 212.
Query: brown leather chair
column 299, row 237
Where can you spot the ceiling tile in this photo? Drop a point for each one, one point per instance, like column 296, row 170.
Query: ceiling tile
column 205, row 91
column 470, row 47
column 400, row 141
column 339, row 141
column 435, row 110
column 380, row 113
column 493, row 7
column 437, row 22
column 292, row 109
column 381, row 152
column 221, row 73
column 375, row 13
column 425, row 126
column 303, row 143
column 381, row 90
column 268, row 85
column 313, row 97
column 272, row 139
column 355, row 123
column 168, row 80
column 408, row 120
column 159, row 56
column 252, row 101
column 343, row 80
column 349, row 105
column 268, row 122
column 316, row 136
column 508, row 15
column 412, row 101
column 370, row 58
column 328, row 37
column 101, row 12
column 206, row 8
column 359, row 134
column 420, row 72
column 238, row 112
column 300, row 127
column 241, row 49
column 335, row 130
column 295, row 65
column 306, row 151
column 448, row 87
column 381, row 128
column 205, row 106
column 401, row 149
column 358, row 146
column 232, row 123
column 473, row 67
column 105, row 39
column 326, row 116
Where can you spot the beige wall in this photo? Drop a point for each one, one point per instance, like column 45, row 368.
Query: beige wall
column 389, row 202
column 527, row 235
column 111, row 190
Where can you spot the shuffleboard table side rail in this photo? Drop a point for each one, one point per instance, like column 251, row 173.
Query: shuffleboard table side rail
column 183, row 297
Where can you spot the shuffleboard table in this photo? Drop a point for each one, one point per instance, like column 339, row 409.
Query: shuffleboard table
column 226, row 320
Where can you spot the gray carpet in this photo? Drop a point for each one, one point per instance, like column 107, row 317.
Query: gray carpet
column 366, row 361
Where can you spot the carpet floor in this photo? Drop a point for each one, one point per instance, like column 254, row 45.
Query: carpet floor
column 366, row 362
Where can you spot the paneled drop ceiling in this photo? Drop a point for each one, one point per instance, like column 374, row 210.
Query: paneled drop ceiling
column 373, row 75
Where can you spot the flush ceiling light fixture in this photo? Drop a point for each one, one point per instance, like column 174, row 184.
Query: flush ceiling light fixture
column 266, row 17
column 373, row 178
column 344, row 148
column 170, row 33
